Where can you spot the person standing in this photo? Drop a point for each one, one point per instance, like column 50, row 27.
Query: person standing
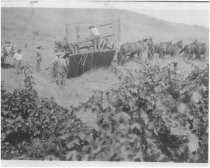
column 38, row 58
column 18, row 57
column 95, row 34
column 62, row 69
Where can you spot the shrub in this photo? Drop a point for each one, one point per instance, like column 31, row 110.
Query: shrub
column 142, row 119
column 31, row 125
column 155, row 115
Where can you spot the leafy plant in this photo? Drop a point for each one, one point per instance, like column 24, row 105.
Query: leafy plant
column 31, row 126
column 156, row 115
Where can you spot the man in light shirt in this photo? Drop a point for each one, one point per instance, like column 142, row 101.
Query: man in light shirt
column 95, row 34
column 18, row 57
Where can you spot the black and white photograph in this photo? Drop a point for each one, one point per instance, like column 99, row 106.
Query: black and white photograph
column 115, row 81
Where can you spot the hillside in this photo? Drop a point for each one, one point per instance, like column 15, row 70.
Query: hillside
column 18, row 25
column 134, row 25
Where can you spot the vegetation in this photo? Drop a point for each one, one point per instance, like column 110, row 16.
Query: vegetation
column 156, row 115
column 33, row 127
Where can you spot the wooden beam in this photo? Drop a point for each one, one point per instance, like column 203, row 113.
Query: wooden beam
column 119, row 30
column 88, row 39
column 96, row 22
column 107, row 24
column 77, row 31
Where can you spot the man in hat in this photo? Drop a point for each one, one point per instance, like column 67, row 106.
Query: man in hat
column 62, row 69
column 95, row 34
column 38, row 58
column 18, row 57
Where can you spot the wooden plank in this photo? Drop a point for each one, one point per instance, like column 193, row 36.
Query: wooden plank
column 88, row 39
column 85, row 26
column 106, row 24
column 119, row 30
column 101, row 30
column 101, row 21
column 77, row 32
column 87, row 32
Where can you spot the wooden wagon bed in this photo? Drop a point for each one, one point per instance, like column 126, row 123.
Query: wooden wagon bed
column 84, row 57
column 79, row 63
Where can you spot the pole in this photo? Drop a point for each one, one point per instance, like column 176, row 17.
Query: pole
column 119, row 30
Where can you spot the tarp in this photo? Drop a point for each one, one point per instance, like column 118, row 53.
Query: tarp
column 79, row 63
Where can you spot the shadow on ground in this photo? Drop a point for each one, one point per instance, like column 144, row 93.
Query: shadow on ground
column 7, row 66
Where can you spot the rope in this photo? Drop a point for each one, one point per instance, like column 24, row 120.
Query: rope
column 76, row 61
column 83, row 58
column 78, row 65
column 91, row 60
column 85, row 55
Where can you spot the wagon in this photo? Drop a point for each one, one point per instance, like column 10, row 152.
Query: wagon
column 84, row 57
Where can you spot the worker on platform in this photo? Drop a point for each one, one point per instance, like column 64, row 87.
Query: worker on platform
column 95, row 34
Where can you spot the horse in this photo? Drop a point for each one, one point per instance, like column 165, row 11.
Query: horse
column 161, row 48
column 179, row 44
column 150, row 47
column 173, row 49
column 132, row 48
column 168, row 48
column 188, row 50
column 195, row 48
column 201, row 49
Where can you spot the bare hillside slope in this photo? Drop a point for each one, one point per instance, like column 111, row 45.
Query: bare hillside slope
column 134, row 26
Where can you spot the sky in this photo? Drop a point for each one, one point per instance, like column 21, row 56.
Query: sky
column 193, row 13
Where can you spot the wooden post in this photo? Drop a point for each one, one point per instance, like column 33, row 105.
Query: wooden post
column 67, row 28
column 77, row 31
column 119, row 30
column 113, row 30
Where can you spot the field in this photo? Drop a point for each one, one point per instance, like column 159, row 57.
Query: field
column 83, row 102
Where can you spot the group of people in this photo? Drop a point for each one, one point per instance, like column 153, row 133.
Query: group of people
column 9, row 49
column 18, row 57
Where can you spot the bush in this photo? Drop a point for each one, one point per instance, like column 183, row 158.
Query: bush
column 31, row 125
column 155, row 115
